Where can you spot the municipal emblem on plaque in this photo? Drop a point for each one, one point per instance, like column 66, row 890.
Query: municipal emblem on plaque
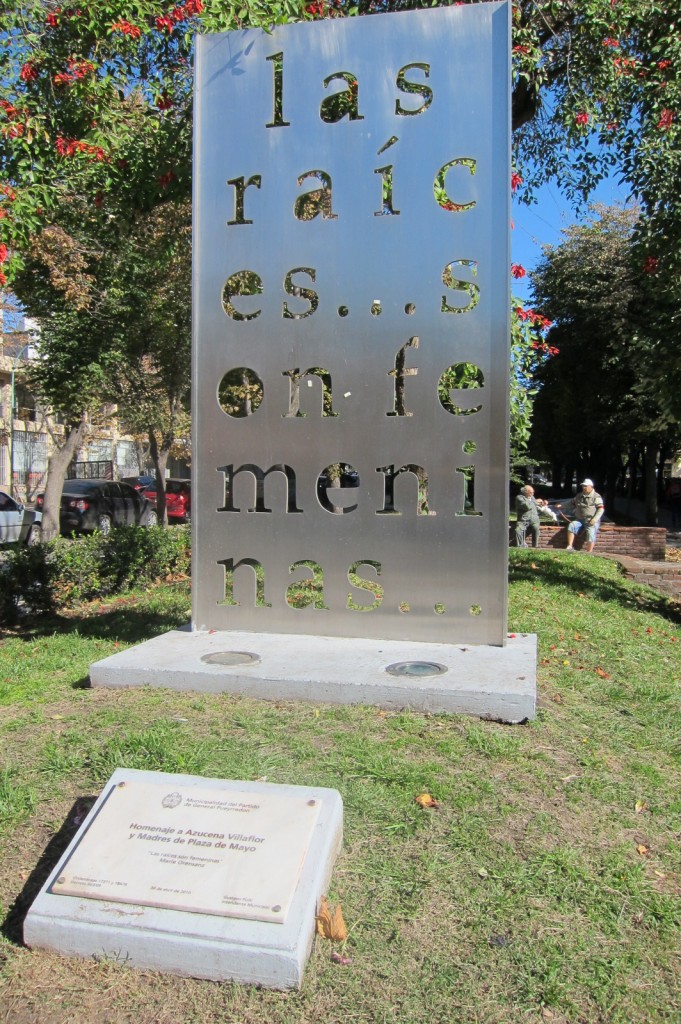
column 172, row 800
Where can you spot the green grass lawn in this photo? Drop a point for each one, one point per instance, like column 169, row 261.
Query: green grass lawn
column 545, row 886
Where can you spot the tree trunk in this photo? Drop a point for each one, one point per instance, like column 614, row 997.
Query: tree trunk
column 57, row 465
column 650, row 479
column 159, row 457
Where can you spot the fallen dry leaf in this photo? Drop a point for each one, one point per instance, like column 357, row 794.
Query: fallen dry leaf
column 557, row 698
column 338, row 958
column 426, row 800
column 330, row 924
column 600, row 672
column 641, row 849
column 641, row 806
column 533, row 565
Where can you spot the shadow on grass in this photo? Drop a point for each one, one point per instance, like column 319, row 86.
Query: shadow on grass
column 12, row 928
column 579, row 574
column 128, row 625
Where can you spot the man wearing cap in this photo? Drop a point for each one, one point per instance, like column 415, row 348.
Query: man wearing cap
column 589, row 508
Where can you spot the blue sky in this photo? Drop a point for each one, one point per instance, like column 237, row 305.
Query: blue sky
column 541, row 224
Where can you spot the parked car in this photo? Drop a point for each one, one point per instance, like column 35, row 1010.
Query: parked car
column 140, row 482
column 100, row 504
column 18, row 524
column 178, row 499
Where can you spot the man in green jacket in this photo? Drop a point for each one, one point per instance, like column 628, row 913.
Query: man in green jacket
column 527, row 515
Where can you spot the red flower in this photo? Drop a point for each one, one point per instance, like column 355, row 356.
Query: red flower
column 69, row 147
column 517, row 270
column 553, row 351
column 523, row 314
column 193, row 7
column 521, row 49
column 650, row 265
column 165, row 179
column 3, row 252
column 52, row 20
column 516, row 180
column 582, row 118
column 11, row 111
column 611, row 42
column 3, row 279
column 29, row 72
column 164, row 22
column 316, row 9
column 164, row 102
column 666, row 119
column 127, row 29
column 662, row 64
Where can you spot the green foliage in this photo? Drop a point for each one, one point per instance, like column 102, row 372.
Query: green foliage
column 604, row 394
column 27, row 577
column 61, row 573
column 96, row 126
column 97, row 100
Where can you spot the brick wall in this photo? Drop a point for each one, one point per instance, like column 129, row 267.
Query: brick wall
column 646, row 542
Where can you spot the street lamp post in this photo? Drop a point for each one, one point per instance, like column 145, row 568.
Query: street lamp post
column 26, row 348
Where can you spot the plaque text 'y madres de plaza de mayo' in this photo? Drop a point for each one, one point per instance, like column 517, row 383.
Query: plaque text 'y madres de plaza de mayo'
column 351, row 327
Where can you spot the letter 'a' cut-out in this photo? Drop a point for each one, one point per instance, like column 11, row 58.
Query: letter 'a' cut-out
column 317, row 201
column 344, row 103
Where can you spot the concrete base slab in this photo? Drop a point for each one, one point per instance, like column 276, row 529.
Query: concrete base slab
column 490, row 682
column 191, row 944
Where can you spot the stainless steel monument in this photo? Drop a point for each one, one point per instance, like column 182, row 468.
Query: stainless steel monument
column 350, row 367
column 352, row 211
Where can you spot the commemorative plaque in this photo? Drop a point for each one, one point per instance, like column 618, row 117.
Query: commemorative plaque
column 233, row 854
column 210, row 878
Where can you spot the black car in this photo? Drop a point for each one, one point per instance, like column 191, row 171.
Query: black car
column 101, row 504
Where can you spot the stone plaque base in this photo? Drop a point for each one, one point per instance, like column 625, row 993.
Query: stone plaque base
column 132, row 885
column 490, row 682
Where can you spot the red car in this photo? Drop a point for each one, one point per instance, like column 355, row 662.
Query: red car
column 178, row 499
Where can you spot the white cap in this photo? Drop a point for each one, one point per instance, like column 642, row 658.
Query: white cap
column 587, row 483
